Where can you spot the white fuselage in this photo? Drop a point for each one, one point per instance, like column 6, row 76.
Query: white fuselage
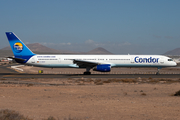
column 66, row 61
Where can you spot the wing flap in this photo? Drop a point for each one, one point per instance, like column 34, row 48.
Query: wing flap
column 85, row 64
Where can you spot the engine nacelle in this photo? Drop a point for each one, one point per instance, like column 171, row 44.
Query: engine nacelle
column 103, row 68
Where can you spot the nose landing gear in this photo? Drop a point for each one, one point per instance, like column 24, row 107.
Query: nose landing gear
column 158, row 72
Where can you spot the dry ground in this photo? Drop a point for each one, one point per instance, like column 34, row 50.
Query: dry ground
column 83, row 99
column 94, row 99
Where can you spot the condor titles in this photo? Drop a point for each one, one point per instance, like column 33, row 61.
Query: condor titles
column 137, row 59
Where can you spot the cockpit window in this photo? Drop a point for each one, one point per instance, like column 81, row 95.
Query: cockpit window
column 170, row 60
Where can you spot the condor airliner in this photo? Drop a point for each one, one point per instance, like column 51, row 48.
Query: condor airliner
column 101, row 63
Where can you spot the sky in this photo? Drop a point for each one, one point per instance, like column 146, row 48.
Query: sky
column 119, row 26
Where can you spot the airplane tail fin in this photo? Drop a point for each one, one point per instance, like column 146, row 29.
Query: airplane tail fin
column 20, row 50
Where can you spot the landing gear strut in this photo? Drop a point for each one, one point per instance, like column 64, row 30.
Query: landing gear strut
column 87, row 71
column 157, row 73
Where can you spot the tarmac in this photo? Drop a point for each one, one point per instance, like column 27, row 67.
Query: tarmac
column 6, row 72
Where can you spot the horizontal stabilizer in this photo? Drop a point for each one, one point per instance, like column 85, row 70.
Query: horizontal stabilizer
column 17, row 59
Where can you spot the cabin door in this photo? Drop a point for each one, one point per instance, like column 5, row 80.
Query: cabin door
column 59, row 60
column 161, row 61
column 132, row 60
column 33, row 60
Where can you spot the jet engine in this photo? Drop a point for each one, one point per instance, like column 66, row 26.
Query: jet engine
column 103, row 68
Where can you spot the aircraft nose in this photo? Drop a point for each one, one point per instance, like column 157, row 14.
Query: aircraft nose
column 174, row 63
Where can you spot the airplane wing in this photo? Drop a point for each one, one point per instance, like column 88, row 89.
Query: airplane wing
column 84, row 64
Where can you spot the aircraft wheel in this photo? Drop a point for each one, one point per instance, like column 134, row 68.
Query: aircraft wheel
column 157, row 73
column 87, row 73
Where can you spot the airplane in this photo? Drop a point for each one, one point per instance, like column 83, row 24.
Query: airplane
column 101, row 63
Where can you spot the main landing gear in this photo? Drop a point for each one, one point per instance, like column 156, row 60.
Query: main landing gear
column 87, row 71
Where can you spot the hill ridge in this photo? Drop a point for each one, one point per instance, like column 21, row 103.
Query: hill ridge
column 175, row 51
column 41, row 49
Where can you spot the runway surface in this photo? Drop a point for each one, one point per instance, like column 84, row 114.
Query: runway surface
column 6, row 72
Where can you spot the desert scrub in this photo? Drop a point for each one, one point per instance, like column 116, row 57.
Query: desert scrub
column 153, row 81
column 128, row 80
column 50, row 118
column 144, row 94
column 11, row 115
column 30, row 84
column 177, row 93
column 6, row 114
column 98, row 82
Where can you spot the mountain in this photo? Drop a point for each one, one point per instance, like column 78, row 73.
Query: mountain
column 38, row 48
column 173, row 52
column 99, row 50
column 5, row 53
column 41, row 49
